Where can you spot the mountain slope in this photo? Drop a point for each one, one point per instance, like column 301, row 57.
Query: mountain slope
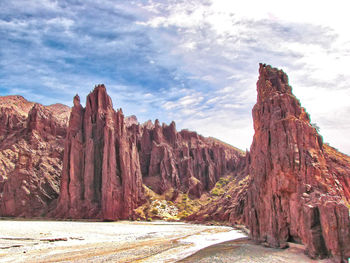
column 31, row 138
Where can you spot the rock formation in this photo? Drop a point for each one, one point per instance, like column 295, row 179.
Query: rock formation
column 290, row 187
column 299, row 187
column 108, row 159
column 183, row 160
column 101, row 173
column 228, row 203
column 31, row 138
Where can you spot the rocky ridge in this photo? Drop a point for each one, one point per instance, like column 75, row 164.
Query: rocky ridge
column 299, row 187
column 31, row 138
column 290, row 187
column 293, row 187
column 109, row 160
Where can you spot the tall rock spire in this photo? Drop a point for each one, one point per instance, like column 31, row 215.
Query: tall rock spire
column 293, row 196
column 99, row 178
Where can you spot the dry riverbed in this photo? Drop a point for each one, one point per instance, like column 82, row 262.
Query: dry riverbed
column 124, row 241
column 66, row 241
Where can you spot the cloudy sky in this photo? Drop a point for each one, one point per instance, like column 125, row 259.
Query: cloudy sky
column 195, row 62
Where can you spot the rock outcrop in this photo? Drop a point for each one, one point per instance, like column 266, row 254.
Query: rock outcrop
column 290, row 187
column 108, row 159
column 31, row 153
column 183, row 160
column 101, row 173
column 299, row 187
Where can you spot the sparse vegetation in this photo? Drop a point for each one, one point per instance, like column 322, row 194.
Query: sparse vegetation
column 182, row 204
column 154, row 211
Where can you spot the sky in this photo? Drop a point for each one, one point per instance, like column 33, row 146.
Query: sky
column 194, row 62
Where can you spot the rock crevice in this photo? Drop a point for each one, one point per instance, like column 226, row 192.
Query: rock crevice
column 292, row 194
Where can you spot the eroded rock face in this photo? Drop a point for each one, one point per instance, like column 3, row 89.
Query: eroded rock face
column 108, row 159
column 101, row 175
column 298, row 187
column 183, row 160
column 31, row 154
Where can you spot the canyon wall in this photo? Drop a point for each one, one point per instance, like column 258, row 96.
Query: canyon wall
column 290, row 187
column 299, row 186
column 101, row 175
column 108, row 161
column 31, row 153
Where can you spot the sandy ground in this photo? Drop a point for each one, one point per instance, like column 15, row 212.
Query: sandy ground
column 245, row 251
column 65, row 241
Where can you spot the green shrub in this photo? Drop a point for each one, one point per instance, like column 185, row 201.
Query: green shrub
column 217, row 192
column 154, row 211
column 183, row 214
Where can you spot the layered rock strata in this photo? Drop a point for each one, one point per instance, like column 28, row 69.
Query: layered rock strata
column 299, row 187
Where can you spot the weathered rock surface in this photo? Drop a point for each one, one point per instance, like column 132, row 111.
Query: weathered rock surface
column 183, row 160
column 228, row 199
column 101, row 173
column 108, row 159
column 299, row 186
column 31, row 152
column 290, row 187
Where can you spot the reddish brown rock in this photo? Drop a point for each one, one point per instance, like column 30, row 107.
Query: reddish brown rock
column 101, row 174
column 228, row 205
column 108, row 159
column 183, row 160
column 299, row 187
column 31, row 155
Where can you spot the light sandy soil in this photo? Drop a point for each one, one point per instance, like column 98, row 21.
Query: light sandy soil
column 124, row 241
column 245, row 251
column 66, row 241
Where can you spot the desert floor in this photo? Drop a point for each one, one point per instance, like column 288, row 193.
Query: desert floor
column 68, row 241
column 124, row 241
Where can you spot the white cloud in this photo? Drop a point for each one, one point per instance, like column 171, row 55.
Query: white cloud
column 227, row 39
column 195, row 62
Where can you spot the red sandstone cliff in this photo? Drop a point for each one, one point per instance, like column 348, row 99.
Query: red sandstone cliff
column 101, row 175
column 299, row 186
column 289, row 188
column 183, row 160
column 108, row 159
column 31, row 138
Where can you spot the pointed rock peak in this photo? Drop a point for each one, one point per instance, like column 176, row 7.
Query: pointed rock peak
column 98, row 98
column 272, row 81
column 76, row 100
column 156, row 123
column 173, row 125
column 148, row 124
column 131, row 120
